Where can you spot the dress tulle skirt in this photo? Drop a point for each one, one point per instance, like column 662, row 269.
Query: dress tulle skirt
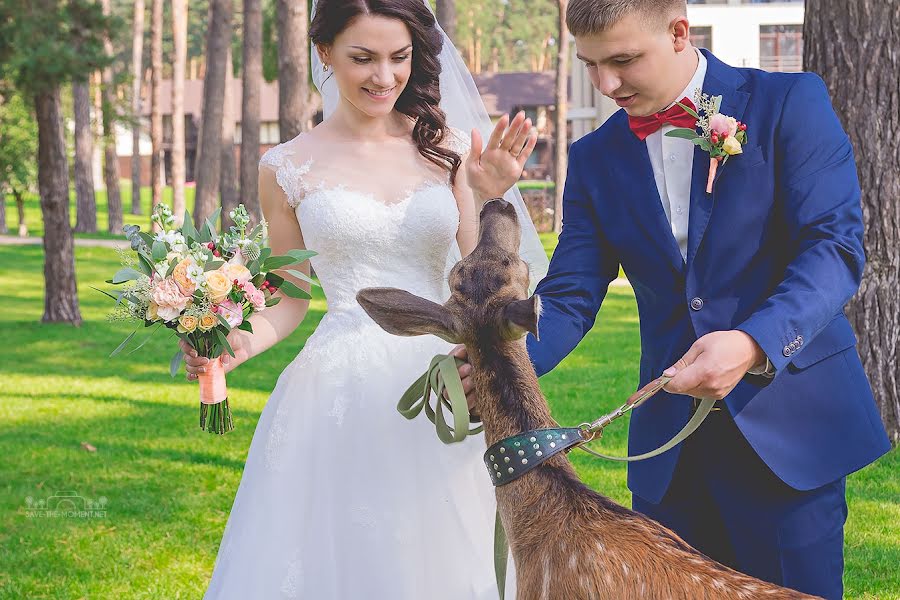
column 343, row 498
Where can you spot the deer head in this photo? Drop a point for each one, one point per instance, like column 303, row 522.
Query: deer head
column 489, row 301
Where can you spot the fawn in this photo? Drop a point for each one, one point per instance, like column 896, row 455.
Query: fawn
column 567, row 540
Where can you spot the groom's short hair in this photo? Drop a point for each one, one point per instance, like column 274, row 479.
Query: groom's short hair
column 590, row 17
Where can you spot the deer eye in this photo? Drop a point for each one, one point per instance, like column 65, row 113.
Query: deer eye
column 506, row 262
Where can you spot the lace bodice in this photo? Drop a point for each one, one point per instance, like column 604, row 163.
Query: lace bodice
column 362, row 239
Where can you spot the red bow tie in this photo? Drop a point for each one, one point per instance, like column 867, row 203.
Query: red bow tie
column 674, row 115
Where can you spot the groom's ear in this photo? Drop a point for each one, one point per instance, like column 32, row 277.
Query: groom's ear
column 402, row 313
column 521, row 317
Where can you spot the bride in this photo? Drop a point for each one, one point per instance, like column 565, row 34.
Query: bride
column 342, row 498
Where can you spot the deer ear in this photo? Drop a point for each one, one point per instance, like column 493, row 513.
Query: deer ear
column 402, row 313
column 521, row 317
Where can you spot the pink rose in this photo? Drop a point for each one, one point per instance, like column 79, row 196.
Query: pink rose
column 719, row 124
column 169, row 299
column 232, row 312
column 254, row 296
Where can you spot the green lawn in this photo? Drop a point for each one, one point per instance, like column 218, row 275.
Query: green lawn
column 36, row 225
column 169, row 486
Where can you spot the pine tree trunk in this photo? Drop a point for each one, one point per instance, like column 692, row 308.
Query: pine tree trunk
column 294, row 99
column 60, row 294
column 111, row 159
column 446, row 16
column 562, row 99
column 137, row 69
column 86, row 205
column 20, row 210
column 853, row 46
column 250, row 109
column 209, row 152
column 156, row 132
column 179, row 35
column 4, row 229
column 228, row 185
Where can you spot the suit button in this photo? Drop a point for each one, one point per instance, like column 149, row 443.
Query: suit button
column 787, row 351
column 696, row 303
column 800, row 340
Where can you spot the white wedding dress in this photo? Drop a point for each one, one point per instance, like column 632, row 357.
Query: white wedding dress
column 341, row 497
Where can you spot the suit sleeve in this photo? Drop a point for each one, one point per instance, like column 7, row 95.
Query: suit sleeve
column 819, row 191
column 581, row 269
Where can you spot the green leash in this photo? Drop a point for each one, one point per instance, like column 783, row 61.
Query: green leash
column 442, row 376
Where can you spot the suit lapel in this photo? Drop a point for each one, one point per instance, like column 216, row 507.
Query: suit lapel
column 721, row 80
column 636, row 174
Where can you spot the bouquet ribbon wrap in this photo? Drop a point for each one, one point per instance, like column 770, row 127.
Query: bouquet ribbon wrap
column 212, row 383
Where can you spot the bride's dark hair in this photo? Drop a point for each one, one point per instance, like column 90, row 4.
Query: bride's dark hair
column 421, row 98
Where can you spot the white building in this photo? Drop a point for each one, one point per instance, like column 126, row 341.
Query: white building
column 743, row 33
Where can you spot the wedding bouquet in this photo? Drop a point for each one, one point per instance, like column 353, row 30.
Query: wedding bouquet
column 202, row 284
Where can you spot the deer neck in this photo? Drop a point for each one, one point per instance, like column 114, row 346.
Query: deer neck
column 510, row 398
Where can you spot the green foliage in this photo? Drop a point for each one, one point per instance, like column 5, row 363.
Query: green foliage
column 18, row 143
column 45, row 43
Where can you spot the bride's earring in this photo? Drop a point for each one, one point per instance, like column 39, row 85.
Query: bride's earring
column 324, row 68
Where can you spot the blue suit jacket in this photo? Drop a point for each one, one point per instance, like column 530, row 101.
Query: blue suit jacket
column 775, row 251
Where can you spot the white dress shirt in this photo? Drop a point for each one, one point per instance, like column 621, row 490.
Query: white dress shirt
column 672, row 160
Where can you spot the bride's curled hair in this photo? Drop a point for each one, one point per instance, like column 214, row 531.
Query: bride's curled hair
column 421, row 98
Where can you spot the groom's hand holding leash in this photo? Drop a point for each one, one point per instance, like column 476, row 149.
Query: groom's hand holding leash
column 714, row 365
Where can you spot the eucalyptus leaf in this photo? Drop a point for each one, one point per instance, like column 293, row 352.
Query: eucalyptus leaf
column 277, row 262
column 689, row 110
column 175, row 363
column 301, row 276
column 224, row 341
column 273, row 301
column 213, row 265
column 159, row 251
column 125, row 274
column 683, row 133
column 293, row 291
column 122, row 345
column 245, row 326
column 301, row 255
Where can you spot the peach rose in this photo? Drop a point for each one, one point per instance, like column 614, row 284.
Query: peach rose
column 218, row 286
column 180, row 275
column 169, row 300
column 236, row 271
column 152, row 314
column 207, row 321
column 188, row 323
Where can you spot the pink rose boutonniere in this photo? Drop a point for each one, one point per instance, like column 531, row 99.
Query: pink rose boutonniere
column 720, row 135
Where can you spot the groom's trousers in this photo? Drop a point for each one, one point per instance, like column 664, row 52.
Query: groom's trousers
column 727, row 503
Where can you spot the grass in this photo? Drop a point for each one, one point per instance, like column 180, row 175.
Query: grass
column 35, row 222
column 169, row 486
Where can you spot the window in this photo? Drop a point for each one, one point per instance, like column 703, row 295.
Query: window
column 781, row 47
column 701, row 37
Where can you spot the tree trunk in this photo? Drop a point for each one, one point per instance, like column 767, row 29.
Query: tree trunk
column 209, row 152
column 179, row 35
column 111, row 159
column 20, row 210
column 4, row 229
column 562, row 99
column 228, row 186
column 852, row 45
column 86, row 205
column 137, row 69
column 250, row 107
column 156, row 132
column 446, row 16
column 60, row 294
column 294, row 99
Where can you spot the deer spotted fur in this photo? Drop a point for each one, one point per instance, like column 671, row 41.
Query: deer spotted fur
column 567, row 540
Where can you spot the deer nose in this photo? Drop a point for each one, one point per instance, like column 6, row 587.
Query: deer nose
column 497, row 205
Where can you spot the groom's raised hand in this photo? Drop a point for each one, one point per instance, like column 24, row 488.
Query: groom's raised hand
column 714, row 365
column 494, row 168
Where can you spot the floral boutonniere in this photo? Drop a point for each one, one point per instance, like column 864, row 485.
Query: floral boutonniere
column 720, row 135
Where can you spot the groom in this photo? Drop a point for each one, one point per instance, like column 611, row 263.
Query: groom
column 740, row 293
